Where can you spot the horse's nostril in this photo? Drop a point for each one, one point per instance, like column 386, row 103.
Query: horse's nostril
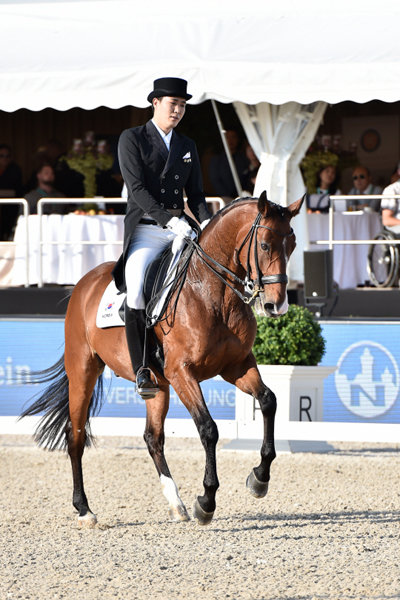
column 269, row 307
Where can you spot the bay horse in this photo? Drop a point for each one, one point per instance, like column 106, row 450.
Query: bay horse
column 245, row 247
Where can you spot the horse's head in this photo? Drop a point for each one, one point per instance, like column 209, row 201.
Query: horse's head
column 271, row 243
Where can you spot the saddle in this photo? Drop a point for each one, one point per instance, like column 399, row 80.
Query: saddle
column 110, row 312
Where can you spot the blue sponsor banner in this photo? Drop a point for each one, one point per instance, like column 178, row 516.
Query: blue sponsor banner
column 365, row 386
column 33, row 345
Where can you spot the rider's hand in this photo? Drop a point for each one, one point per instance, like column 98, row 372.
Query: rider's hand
column 180, row 227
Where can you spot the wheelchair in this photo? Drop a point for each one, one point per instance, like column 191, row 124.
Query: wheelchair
column 383, row 260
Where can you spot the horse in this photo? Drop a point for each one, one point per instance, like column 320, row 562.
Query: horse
column 239, row 260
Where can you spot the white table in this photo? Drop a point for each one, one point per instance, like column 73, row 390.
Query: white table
column 66, row 263
column 349, row 261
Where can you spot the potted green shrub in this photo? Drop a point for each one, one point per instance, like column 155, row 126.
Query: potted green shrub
column 288, row 351
column 295, row 338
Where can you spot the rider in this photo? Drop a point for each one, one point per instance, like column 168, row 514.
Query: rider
column 157, row 164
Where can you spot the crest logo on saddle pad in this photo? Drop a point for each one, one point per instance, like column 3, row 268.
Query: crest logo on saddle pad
column 367, row 379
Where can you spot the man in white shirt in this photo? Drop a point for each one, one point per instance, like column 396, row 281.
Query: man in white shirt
column 391, row 206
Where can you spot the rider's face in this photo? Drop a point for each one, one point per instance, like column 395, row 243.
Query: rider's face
column 168, row 111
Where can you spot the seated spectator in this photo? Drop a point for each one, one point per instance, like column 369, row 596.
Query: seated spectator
column 11, row 187
column 220, row 173
column 67, row 181
column 326, row 186
column 45, row 189
column 390, row 207
column 362, row 184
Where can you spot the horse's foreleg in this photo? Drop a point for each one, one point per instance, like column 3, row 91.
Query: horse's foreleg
column 247, row 378
column 157, row 409
column 81, row 386
column 190, row 393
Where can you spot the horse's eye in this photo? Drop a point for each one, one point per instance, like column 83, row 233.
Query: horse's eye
column 264, row 246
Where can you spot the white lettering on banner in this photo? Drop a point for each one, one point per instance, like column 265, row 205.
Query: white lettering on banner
column 127, row 395
column 367, row 379
column 11, row 374
column 213, row 398
column 124, row 395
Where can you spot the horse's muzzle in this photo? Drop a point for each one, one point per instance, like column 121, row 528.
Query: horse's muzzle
column 266, row 308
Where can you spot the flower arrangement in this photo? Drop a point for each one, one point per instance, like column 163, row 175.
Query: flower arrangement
column 87, row 158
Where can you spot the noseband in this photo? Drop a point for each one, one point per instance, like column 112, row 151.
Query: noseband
column 252, row 287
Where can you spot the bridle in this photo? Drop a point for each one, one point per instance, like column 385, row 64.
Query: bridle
column 252, row 287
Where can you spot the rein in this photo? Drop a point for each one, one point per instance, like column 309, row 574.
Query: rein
column 252, row 288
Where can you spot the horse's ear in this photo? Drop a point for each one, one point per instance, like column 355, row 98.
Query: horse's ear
column 263, row 203
column 295, row 207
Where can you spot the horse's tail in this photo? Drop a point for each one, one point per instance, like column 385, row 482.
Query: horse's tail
column 53, row 404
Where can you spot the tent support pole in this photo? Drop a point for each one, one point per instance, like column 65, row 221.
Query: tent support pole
column 232, row 166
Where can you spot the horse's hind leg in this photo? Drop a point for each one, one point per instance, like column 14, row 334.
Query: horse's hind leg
column 83, row 373
column 157, row 409
column 247, row 378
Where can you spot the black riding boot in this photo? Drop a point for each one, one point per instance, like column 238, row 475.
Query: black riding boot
column 134, row 329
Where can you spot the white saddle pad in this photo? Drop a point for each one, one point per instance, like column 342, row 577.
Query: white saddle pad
column 108, row 310
column 112, row 299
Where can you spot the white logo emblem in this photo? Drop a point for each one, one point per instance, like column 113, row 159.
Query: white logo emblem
column 367, row 379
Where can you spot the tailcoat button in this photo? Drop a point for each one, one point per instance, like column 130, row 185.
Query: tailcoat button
column 176, row 176
column 162, row 190
column 175, row 206
column 176, row 191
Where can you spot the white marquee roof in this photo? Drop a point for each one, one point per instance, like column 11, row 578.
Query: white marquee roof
column 89, row 53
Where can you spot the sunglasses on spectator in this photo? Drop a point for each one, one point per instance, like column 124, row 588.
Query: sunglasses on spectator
column 358, row 177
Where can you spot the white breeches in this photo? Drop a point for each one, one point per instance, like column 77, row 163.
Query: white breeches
column 147, row 242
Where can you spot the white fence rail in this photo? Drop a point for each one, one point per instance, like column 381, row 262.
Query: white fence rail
column 25, row 208
column 332, row 242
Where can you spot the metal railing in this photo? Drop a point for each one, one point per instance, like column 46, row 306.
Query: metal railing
column 40, row 207
column 25, row 207
column 331, row 241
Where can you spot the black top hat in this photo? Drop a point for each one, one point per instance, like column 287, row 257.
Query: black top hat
column 169, row 86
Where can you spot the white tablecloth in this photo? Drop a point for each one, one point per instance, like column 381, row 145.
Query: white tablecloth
column 66, row 263
column 349, row 262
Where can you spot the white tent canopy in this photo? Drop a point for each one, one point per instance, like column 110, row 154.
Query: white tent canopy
column 280, row 136
column 87, row 53
column 289, row 58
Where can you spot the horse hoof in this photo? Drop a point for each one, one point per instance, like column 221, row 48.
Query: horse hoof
column 203, row 517
column 257, row 488
column 178, row 513
column 88, row 521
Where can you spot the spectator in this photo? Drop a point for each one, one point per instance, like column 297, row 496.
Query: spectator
column 362, row 184
column 220, row 173
column 45, row 188
column 11, row 187
column 68, row 181
column 326, row 186
column 390, row 207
